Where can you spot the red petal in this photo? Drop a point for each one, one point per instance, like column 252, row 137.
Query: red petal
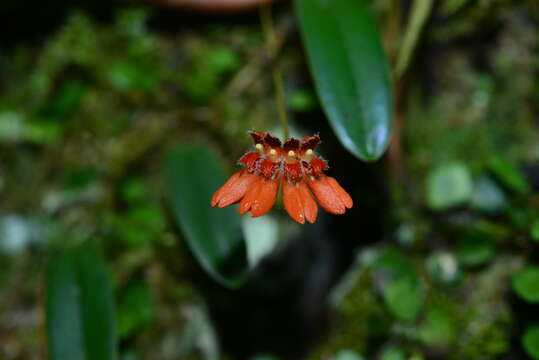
column 326, row 194
column 293, row 171
column 233, row 190
column 249, row 160
column 267, row 168
column 298, row 202
column 318, row 165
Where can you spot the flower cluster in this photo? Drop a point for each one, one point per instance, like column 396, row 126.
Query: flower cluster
column 295, row 164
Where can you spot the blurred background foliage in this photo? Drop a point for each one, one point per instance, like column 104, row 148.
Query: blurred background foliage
column 438, row 259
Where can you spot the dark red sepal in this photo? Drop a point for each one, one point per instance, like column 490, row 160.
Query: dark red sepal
column 249, row 160
column 310, row 142
column 258, row 136
column 291, row 144
column 272, row 141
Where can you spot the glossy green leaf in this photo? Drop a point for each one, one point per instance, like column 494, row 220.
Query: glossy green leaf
column 80, row 307
column 350, row 72
column 192, row 174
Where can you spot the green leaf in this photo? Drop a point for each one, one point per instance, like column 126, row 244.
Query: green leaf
column 509, row 174
column 192, row 175
column 128, row 76
column 221, row 59
column 404, row 297
column 80, row 310
column 135, row 311
column 68, row 99
column 474, row 251
column 347, row 354
column 530, row 341
column 449, row 185
column 526, row 284
column 396, row 262
column 301, row 100
column 534, row 232
column 350, row 72
column 438, row 328
column 488, row 196
column 141, row 224
column 264, row 357
column 393, row 353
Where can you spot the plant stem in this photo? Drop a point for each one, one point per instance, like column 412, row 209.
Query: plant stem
column 420, row 13
column 271, row 42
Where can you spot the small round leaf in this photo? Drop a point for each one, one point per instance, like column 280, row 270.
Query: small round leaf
column 530, row 341
column 526, row 284
column 449, row 185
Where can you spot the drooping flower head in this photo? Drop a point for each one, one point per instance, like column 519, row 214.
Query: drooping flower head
column 301, row 171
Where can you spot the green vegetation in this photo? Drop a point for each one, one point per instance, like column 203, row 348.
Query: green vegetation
column 437, row 259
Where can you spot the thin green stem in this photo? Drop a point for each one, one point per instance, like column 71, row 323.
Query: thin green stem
column 420, row 13
column 271, row 42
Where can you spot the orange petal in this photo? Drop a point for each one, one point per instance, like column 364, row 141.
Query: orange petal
column 292, row 202
column 326, row 194
column 344, row 196
column 250, row 196
column 260, row 198
column 233, row 190
column 266, row 197
column 298, row 202
column 309, row 205
column 219, row 193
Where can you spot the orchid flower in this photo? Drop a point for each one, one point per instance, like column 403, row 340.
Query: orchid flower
column 295, row 164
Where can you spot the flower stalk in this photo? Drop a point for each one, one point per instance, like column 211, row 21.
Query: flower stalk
column 270, row 36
